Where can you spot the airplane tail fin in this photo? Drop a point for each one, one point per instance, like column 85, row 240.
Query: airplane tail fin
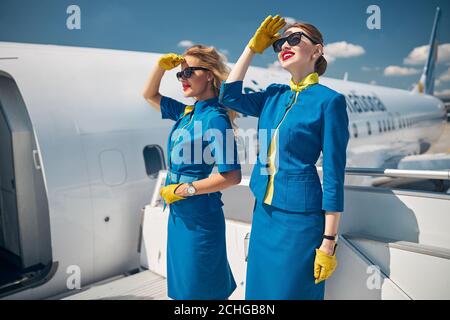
column 426, row 82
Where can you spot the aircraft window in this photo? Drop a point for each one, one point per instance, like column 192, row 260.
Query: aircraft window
column 365, row 103
column 348, row 102
column 355, row 103
column 369, row 130
column 370, row 104
column 154, row 160
column 355, row 131
column 379, row 105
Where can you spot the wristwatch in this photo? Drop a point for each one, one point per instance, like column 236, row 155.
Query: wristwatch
column 333, row 238
column 191, row 189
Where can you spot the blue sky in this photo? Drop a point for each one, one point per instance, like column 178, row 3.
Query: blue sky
column 390, row 56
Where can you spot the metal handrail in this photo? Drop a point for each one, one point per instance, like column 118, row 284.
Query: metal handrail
column 398, row 173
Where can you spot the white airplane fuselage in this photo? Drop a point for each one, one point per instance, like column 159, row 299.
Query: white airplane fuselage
column 92, row 126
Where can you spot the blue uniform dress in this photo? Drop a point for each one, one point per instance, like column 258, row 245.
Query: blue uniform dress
column 288, row 218
column 197, row 265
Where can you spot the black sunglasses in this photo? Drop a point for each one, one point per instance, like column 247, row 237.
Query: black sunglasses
column 188, row 72
column 293, row 39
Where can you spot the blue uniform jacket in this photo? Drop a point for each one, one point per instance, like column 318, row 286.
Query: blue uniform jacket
column 201, row 138
column 318, row 121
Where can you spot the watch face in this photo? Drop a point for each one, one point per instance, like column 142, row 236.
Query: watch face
column 191, row 190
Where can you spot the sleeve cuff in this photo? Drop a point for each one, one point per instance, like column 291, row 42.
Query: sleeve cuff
column 228, row 167
column 333, row 207
column 164, row 107
column 230, row 89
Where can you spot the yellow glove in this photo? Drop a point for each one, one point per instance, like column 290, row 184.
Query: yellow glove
column 170, row 61
column 168, row 193
column 266, row 34
column 324, row 265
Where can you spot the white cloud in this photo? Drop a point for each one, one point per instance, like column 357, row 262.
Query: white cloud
column 366, row 68
column 393, row 71
column 289, row 20
column 445, row 76
column 224, row 51
column 185, row 44
column 445, row 92
column 418, row 55
column 342, row 49
column 189, row 43
column 329, row 58
column 276, row 65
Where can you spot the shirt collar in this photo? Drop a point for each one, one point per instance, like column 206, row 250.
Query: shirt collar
column 203, row 103
column 310, row 79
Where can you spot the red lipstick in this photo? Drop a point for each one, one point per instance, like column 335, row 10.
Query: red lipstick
column 286, row 55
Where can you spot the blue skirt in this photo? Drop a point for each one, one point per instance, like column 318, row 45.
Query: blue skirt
column 197, row 264
column 281, row 254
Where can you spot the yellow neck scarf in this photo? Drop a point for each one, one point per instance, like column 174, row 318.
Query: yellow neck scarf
column 188, row 109
column 310, row 79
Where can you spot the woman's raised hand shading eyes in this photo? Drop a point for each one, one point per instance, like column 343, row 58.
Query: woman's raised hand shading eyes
column 170, row 61
column 266, row 34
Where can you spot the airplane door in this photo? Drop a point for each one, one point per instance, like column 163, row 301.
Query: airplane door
column 24, row 206
column 8, row 208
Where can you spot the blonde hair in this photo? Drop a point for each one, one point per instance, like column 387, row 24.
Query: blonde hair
column 215, row 62
column 321, row 64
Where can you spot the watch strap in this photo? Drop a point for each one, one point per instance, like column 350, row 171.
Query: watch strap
column 333, row 238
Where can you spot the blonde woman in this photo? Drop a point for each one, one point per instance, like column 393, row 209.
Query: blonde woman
column 197, row 265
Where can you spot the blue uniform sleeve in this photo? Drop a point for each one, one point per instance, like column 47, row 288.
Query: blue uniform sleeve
column 171, row 108
column 250, row 104
column 223, row 146
column 334, row 138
